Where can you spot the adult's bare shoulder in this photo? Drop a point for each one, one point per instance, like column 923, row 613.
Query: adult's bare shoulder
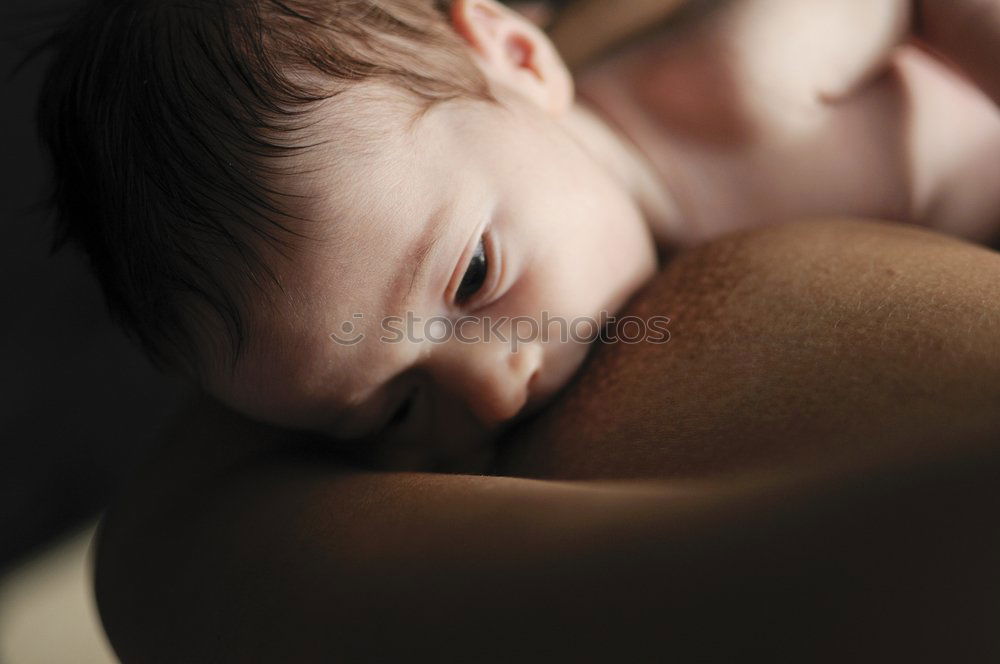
column 790, row 345
column 242, row 543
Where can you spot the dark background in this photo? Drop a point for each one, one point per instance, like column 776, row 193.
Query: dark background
column 78, row 404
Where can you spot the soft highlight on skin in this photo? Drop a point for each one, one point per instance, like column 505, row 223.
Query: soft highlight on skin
column 170, row 125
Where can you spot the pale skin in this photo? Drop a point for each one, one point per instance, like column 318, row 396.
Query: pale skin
column 765, row 111
column 576, row 263
column 355, row 533
column 538, row 206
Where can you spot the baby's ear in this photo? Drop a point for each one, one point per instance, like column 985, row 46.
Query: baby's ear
column 514, row 52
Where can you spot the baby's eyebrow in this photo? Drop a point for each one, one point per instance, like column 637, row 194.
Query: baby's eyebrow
column 417, row 256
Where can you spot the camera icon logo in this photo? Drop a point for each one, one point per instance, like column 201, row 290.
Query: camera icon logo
column 348, row 334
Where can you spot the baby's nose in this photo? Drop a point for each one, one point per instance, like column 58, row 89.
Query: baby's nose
column 493, row 379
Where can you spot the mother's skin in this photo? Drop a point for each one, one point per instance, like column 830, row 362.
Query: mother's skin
column 829, row 395
column 874, row 339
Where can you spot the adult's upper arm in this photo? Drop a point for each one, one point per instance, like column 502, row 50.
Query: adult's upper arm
column 282, row 555
column 286, row 555
column 299, row 561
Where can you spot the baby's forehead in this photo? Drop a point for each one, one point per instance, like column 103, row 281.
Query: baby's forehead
column 359, row 123
column 374, row 130
column 301, row 360
column 371, row 177
column 357, row 151
column 367, row 180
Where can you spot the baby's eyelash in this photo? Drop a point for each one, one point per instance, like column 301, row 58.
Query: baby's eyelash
column 475, row 274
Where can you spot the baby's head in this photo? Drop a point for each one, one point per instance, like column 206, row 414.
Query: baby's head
column 328, row 212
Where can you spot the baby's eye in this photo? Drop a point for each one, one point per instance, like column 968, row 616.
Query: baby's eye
column 475, row 274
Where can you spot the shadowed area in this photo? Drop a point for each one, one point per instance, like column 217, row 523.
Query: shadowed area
column 79, row 405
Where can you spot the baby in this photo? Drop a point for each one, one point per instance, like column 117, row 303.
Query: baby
column 342, row 216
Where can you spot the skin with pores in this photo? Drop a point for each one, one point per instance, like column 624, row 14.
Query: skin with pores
column 234, row 546
column 538, row 204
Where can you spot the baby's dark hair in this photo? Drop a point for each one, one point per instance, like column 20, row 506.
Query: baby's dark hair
column 169, row 122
